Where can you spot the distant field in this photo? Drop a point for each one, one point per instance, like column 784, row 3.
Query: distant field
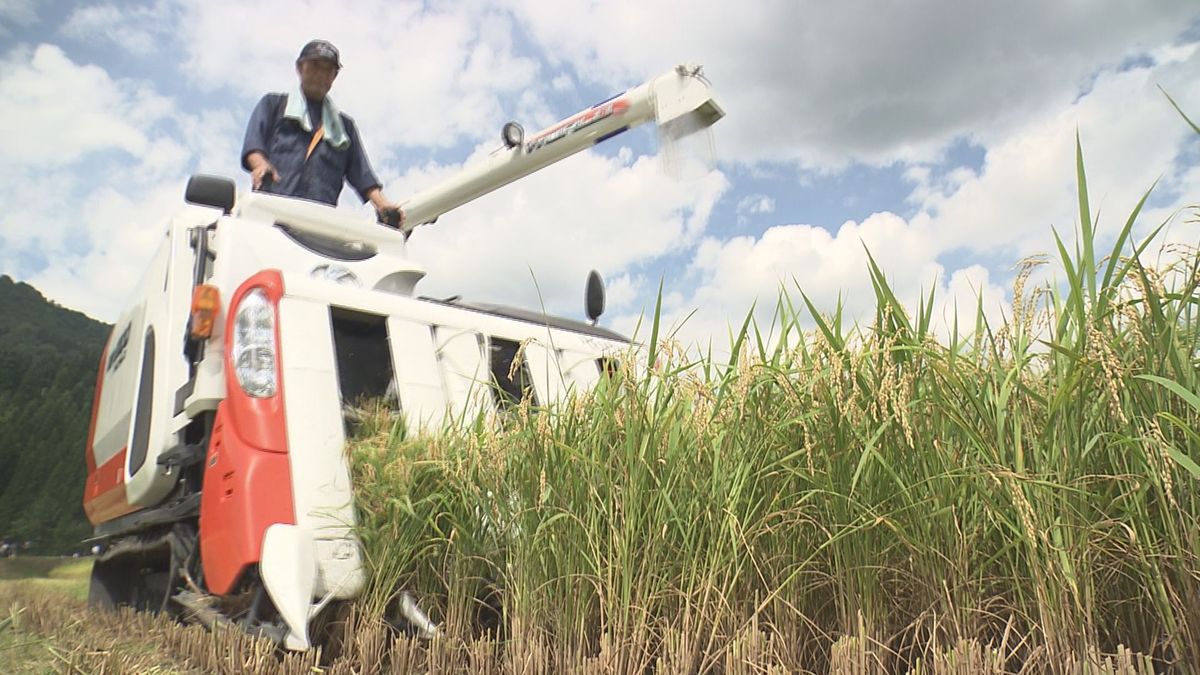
column 68, row 576
column 59, row 581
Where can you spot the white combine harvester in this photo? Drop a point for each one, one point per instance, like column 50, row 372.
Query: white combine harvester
column 217, row 479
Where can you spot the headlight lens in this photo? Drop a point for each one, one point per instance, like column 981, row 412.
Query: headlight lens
column 254, row 345
column 336, row 274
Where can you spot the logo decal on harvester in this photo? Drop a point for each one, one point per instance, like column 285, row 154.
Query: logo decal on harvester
column 583, row 120
column 117, row 356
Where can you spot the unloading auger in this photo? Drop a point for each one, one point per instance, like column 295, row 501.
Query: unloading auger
column 679, row 98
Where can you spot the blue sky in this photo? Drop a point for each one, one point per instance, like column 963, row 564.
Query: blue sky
column 938, row 134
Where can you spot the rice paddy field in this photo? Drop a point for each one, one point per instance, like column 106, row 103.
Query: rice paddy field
column 869, row 498
column 835, row 497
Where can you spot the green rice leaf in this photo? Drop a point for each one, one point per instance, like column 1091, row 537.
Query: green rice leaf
column 1088, row 262
column 1174, row 387
column 1179, row 110
column 1184, row 461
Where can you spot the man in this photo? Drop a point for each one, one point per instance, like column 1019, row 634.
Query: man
column 301, row 145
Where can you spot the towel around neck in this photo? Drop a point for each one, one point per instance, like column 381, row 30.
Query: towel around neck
column 331, row 119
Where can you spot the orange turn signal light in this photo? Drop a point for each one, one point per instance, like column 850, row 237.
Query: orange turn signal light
column 206, row 302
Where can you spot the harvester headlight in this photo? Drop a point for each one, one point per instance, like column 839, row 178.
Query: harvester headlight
column 254, row 346
column 335, row 273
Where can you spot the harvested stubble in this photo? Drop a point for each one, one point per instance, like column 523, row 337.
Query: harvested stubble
column 80, row 641
column 76, row 641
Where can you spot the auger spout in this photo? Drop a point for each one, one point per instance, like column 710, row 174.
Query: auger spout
column 680, row 94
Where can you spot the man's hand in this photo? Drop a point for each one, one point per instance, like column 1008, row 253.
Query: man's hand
column 260, row 172
column 386, row 211
column 260, row 168
column 391, row 215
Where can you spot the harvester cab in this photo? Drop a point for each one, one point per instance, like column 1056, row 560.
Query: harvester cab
column 217, row 478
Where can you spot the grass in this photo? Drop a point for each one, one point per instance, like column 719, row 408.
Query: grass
column 65, row 576
column 30, row 567
column 1024, row 492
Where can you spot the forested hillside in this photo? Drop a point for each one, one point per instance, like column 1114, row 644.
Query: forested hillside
column 48, row 358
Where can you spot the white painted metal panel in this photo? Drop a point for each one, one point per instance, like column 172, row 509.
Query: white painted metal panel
column 464, row 371
column 543, row 368
column 321, row 488
column 168, row 289
column 579, row 369
column 418, row 381
column 115, row 411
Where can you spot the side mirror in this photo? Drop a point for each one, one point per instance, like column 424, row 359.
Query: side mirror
column 593, row 296
column 215, row 191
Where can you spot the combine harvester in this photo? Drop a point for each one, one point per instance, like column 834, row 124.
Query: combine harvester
column 217, row 478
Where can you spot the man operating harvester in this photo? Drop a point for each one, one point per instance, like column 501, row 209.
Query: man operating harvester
column 301, row 145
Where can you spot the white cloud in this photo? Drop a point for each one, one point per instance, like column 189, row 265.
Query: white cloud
column 1130, row 137
column 562, row 82
column 754, row 205
column 138, row 29
column 86, row 188
column 959, row 298
column 826, row 83
column 125, row 233
column 214, row 138
column 42, row 92
column 738, row 271
column 415, row 75
column 589, row 212
column 729, row 277
column 622, row 291
column 43, row 184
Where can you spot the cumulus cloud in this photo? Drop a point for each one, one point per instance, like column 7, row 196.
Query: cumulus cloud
column 736, row 272
column 55, row 128
column 86, row 189
column 588, row 212
column 1131, row 137
column 731, row 277
column 65, row 150
column 621, row 292
column 825, row 84
column 562, row 82
column 125, row 231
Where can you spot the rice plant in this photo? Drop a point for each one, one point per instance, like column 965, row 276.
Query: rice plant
column 1023, row 494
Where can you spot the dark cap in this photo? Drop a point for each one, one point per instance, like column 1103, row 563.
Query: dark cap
column 318, row 50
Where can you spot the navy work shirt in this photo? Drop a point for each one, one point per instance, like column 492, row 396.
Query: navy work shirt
column 285, row 143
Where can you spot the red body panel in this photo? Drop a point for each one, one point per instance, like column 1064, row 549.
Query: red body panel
column 246, row 489
column 247, row 477
column 104, row 492
column 89, row 451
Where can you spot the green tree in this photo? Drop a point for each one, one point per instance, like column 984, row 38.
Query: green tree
column 48, row 360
